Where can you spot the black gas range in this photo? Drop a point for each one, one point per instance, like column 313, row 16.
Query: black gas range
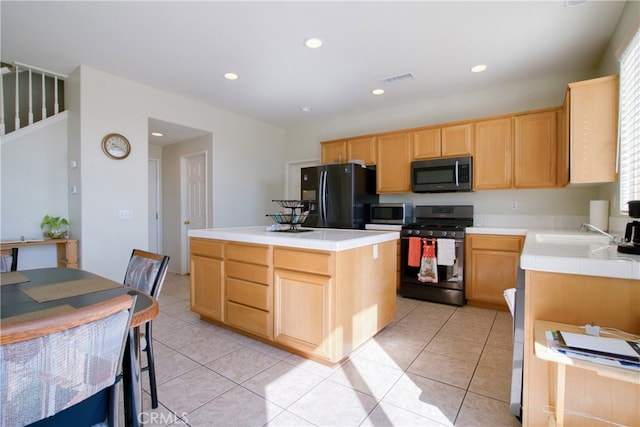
column 443, row 227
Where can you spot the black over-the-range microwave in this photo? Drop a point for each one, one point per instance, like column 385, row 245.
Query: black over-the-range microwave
column 442, row 175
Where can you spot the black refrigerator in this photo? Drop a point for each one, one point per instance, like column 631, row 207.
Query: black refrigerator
column 338, row 195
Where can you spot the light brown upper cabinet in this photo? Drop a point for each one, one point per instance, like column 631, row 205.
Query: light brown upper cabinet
column 341, row 151
column 593, row 129
column 562, row 157
column 427, row 143
column 393, row 170
column 493, row 154
column 535, row 150
column 334, row 151
column 448, row 141
column 362, row 149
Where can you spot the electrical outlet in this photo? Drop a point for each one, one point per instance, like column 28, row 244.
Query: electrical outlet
column 125, row 214
column 375, row 251
column 514, row 205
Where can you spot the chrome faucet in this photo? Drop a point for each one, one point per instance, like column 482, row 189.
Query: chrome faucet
column 613, row 238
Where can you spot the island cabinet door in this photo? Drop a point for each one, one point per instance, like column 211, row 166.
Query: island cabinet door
column 207, row 276
column 302, row 318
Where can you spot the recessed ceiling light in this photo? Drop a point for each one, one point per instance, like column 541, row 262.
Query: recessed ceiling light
column 156, row 134
column 377, row 91
column 574, row 3
column 313, row 43
column 478, row 68
column 231, row 76
column 306, row 109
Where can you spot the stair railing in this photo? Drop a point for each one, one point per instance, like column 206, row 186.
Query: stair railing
column 19, row 67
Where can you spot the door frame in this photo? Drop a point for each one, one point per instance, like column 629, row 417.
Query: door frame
column 292, row 167
column 184, row 238
column 158, row 206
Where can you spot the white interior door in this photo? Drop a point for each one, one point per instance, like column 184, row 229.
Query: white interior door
column 154, row 206
column 194, row 200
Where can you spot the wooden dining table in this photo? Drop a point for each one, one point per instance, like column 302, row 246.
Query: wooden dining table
column 29, row 294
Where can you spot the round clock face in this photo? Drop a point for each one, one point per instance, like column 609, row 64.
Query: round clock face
column 116, row 146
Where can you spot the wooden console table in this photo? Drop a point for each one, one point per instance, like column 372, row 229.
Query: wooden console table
column 67, row 249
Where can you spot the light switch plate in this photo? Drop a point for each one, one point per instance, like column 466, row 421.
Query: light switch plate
column 125, row 214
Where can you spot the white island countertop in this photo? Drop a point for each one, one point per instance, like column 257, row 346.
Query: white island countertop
column 327, row 239
column 584, row 253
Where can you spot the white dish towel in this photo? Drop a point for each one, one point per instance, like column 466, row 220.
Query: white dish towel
column 446, row 251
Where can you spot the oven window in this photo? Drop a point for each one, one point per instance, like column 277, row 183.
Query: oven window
column 387, row 212
column 441, row 175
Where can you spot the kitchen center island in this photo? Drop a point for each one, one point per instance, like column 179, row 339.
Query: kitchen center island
column 319, row 293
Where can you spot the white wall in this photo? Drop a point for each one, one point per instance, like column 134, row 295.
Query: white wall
column 33, row 173
column 247, row 168
column 27, row 194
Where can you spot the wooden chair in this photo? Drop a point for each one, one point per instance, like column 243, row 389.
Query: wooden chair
column 146, row 272
column 52, row 366
column 8, row 260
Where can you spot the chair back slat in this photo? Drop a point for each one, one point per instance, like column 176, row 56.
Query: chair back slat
column 8, row 259
column 146, row 271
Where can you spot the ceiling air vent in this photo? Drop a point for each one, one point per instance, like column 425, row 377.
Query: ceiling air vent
column 397, row 79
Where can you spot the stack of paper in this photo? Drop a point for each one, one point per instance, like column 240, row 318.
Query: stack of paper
column 607, row 351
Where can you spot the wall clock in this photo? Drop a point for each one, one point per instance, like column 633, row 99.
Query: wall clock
column 116, row 146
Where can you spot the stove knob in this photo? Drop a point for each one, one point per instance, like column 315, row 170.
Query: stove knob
column 430, row 233
column 453, row 234
column 444, row 234
column 417, row 232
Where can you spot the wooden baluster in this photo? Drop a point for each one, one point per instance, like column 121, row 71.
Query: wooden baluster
column 30, row 100
column 17, row 120
column 56, row 107
column 2, row 127
column 44, row 100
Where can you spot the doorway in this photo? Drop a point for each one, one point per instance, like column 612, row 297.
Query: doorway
column 292, row 190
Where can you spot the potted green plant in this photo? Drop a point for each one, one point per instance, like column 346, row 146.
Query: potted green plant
column 54, row 227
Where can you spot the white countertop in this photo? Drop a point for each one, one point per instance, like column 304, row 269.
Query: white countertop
column 576, row 252
column 328, row 239
column 496, row 230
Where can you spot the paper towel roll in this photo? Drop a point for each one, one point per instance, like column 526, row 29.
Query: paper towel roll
column 599, row 214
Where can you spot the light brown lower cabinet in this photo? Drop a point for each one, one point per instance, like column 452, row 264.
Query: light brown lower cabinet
column 206, row 278
column 492, row 263
column 578, row 300
column 302, row 303
column 248, row 290
column 320, row 304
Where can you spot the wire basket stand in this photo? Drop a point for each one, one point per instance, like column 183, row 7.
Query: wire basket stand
column 294, row 218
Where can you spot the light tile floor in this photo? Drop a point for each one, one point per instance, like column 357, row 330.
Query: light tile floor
column 435, row 365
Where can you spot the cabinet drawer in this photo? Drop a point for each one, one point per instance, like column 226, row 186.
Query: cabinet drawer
column 300, row 260
column 247, row 293
column 497, row 243
column 250, row 272
column 206, row 247
column 254, row 254
column 249, row 319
